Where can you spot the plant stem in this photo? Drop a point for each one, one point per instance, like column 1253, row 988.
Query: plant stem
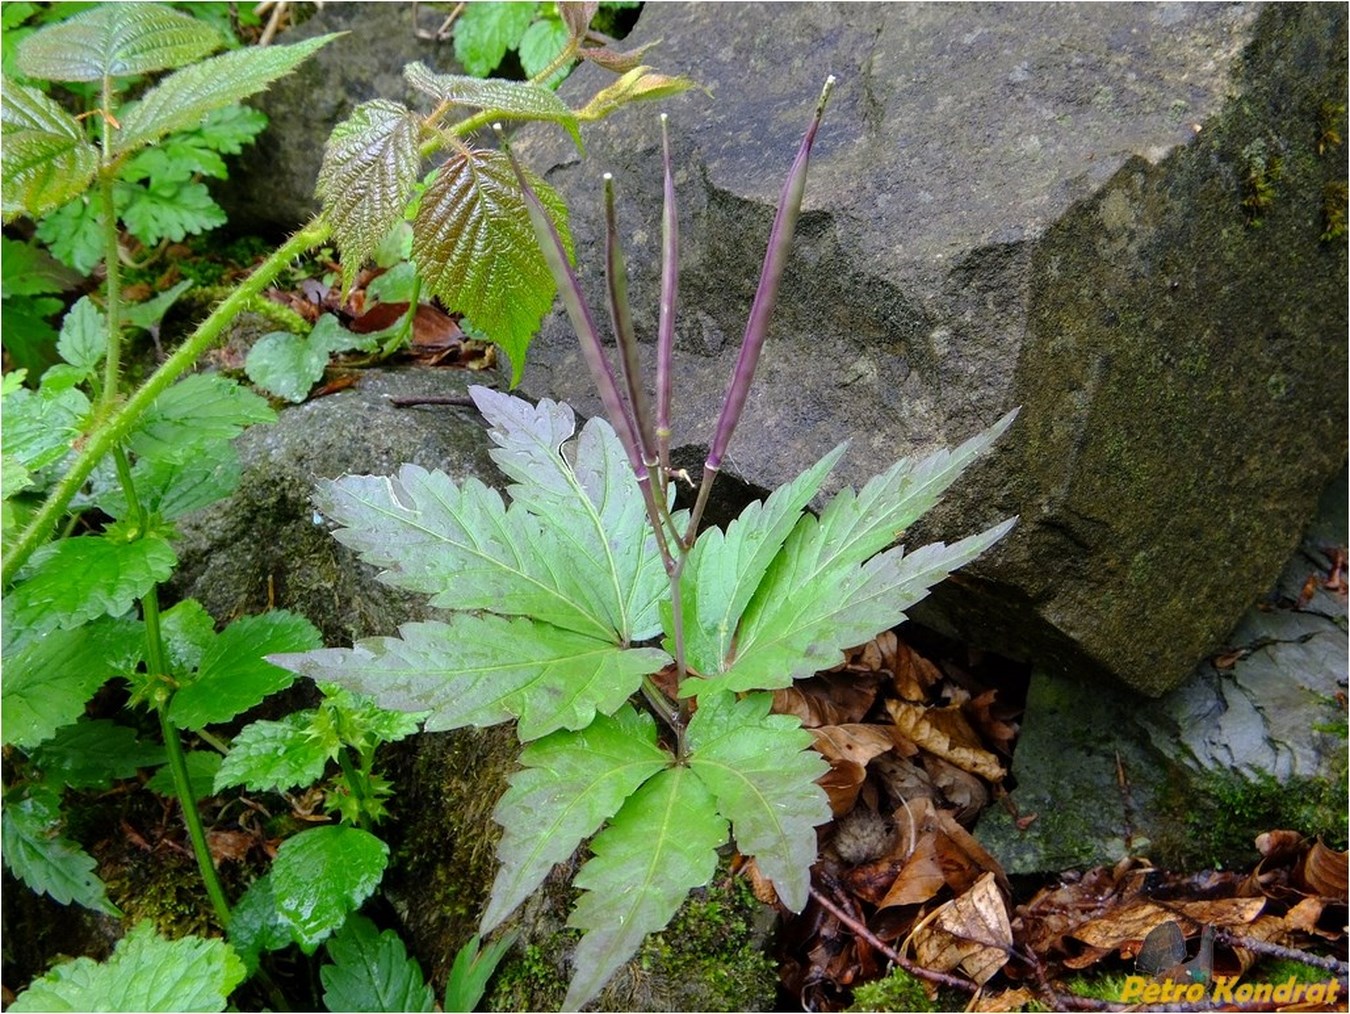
column 616, row 278
column 112, row 364
column 355, row 782
column 112, row 428
column 670, row 281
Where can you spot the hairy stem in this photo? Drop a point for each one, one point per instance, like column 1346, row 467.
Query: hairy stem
column 112, row 363
column 112, row 428
column 670, row 280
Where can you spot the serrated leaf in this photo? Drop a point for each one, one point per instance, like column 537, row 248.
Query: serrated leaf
column 274, row 756
column 484, row 669
column 542, row 43
column 74, row 234
column 369, row 171
column 170, row 211
column 724, row 569
column 585, row 489
column 485, row 31
column 14, row 477
column 77, row 580
column 202, row 767
column 371, row 971
column 172, row 488
column 28, row 270
column 288, row 365
column 145, row 973
column 151, row 312
column 40, row 426
column 184, row 98
column 571, row 783
column 476, row 249
column 93, row 754
column 49, row 679
column 255, row 924
column 187, row 630
column 660, row 846
column 198, row 411
column 234, row 675
column 508, row 100
column 471, row 970
column 321, row 875
column 461, row 545
column 84, row 336
column 636, row 85
column 116, row 40
column 49, row 864
column 764, row 777
column 47, row 159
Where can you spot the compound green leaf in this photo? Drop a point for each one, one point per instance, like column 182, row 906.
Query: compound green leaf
column 116, row 40
column 92, row 754
column 660, row 846
column 485, row 31
column 47, row 159
column 170, row 211
column 35, row 852
column 74, row 233
column 463, row 547
column 196, row 412
column 274, row 756
column 145, row 973
column 49, row 679
column 84, row 336
column 571, row 783
column 508, row 100
column 484, row 669
column 321, row 875
column 476, row 249
column 40, row 426
column 585, row 490
column 724, row 569
column 73, row 581
column 234, row 675
column 370, row 167
column 764, row 777
column 372, row 971
column 183, row 99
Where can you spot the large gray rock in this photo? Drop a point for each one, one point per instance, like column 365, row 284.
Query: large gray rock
column 1110, row 215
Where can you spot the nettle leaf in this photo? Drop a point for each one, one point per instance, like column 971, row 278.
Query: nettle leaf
column 34, row 851
column 198, row 411
column 764, row 777
column 274, row 756
column 508, row 100
column 462, row 546
column 369, row 171
column 483, row 669
column 49, row 679
column 371, row 970
column 84, row 336
column 77, row 580
column 172, row 488
column 724, row 569
column 321, row 875
column 541, row 44
column 145, row 973
column 585, row 489
column 116, row 40
column 660, row 846
column 476, row 249
column 183, row 99
column 187, row 630
column 571, row 783
column 40, row 426
column 234, row 676
column 93, row 754
column 47, row 159
column 485, row 31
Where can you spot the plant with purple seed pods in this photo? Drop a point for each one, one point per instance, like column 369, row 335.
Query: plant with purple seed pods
column 568, row 600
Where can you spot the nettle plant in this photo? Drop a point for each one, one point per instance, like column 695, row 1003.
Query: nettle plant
column 559, row 595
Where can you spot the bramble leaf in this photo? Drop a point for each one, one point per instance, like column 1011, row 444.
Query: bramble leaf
column 84, row 336
column 182, row 99
column 485, row 31
column 484, row 669
column 49, row 679
column 145, row 973
column 508, row 100
column 76, row 580
column 234, row 675
column 47, row 159
column 116, row 40
column 461, row 545
column 197, row 411
column 41, row 425
column 370, row 167
column 724, row 569
column 476, row 249
column 273, row 756
column 586, row 489
column 764, row 777
column 570, row 784
column 661, row 845
column 371, row 970
column 49, row 864
column 321, row 875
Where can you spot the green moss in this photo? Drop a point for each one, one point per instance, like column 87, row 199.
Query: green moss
column 899, row 991
column 1096, row 987
column 531, row 980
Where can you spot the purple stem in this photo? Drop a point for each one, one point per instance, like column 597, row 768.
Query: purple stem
column 670, row 280
column 757, row 327
column 617, row 279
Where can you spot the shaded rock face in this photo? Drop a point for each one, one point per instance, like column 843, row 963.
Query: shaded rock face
column 1108, row 215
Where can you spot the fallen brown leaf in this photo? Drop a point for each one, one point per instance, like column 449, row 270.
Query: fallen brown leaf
column 946, row 733
column 1325, row 871
column 971, row 932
